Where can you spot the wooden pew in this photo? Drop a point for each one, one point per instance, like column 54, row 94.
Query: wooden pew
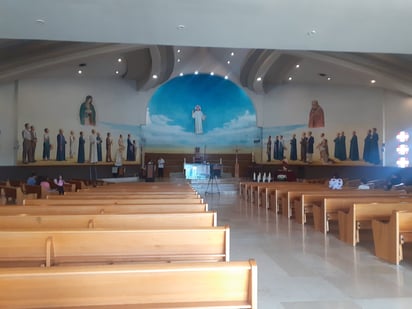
column 123, row 196
column 62, row 247
column 389, row 236
column 142, row 186
column 162, row 286
column 328, row 210
column 309, row 200
column 360, row 216
column 109, row 221
column 15, row 194
column 117, row 201
column 101, row 209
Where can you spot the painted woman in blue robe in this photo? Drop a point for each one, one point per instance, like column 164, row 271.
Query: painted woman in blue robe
column 80, row 153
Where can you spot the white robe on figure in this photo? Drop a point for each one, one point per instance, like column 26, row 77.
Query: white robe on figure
column 198, row 116
column 93, row 149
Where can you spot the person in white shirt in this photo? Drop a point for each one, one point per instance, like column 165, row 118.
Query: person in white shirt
column 160, row 166
column 335, row 183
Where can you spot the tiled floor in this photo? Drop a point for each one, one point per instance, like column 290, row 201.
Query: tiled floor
column 299, row 268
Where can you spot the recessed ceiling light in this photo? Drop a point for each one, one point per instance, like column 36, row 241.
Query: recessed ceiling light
column 180, row 27
column 154, row 76
column 259, row 79
column 117, row 72
column 290, row 78
column 196, row 72
column 178, row 60
column 312, row 32
column 329, row 78
column 298, row 66
column 178, row 51
column 226, row 77
column 212, row 73
column 373, row 81
column 181, row 74
column 119, row 60
column 40, row 21
column 232, row 54
column 228, row 62
column 79, row 72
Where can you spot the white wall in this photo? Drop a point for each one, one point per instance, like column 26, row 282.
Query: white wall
column 8, row 124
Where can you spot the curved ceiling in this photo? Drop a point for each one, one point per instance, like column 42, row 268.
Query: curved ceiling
column 347, row 42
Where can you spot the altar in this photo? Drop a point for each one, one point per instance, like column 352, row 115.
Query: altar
column 197, row 170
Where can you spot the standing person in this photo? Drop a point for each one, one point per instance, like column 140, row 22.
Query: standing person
column 269, row 148
column 343, row 155
column 129, row 151
column 72, row 147
column 109, row 143
column 93, row 147
column 309, row 148
column 33, row 135
column 160, row 167
column 374, row 147
column 316, row 116
column 354, row 149
column 293, row 148
column 61, row 146
column 367, row 146
column 198, row 116
column 99, row 147
column 26, row 135
column 60, row 184
column 303, row 147
column 80, row 153
column 87, row 112
column 46, row 144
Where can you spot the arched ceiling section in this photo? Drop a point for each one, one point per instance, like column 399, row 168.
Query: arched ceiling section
column 264, row 69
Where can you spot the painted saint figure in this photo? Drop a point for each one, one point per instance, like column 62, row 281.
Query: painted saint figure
column 198, row 116
column 93, row 147
column 293, row 148
column 87, row 112
column 46, row 145
column 316, row 116
column 269, row 148
column 354, row 149
column 61, row 146
column 80, row 153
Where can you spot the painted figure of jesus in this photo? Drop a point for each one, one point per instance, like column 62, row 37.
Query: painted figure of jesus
column 198, row 116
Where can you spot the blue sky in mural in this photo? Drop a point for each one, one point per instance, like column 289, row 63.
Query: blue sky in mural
column 230, row 115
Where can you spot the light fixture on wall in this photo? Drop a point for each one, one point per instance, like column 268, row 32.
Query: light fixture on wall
column 81, row 68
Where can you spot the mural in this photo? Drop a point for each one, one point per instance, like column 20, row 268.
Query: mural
column 87, row 112
column 203, row 110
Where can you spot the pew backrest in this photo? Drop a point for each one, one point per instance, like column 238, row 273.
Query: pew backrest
column 180, row 285
column 62, row 247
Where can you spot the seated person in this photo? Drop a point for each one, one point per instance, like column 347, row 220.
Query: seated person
column 32, row 180
column 364, row 184
column 393, row 181
column 335, row 183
